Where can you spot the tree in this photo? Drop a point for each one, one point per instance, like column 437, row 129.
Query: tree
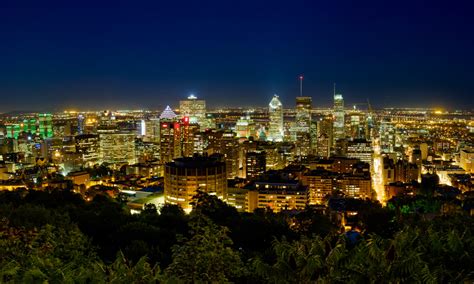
column 49, row 254
column 123, row 271
column 206, row 256
column 217, row 210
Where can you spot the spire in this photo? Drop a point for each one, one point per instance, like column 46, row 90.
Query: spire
column 301, row 85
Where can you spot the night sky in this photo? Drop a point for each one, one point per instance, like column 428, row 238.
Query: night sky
column 129, row 54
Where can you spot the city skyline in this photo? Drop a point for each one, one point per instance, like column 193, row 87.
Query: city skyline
column 236, row 141
column 234, row 54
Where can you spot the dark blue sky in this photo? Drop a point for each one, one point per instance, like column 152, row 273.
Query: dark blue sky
column 126, row 54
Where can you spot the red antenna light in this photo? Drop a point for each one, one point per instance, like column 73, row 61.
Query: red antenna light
column 301, row 77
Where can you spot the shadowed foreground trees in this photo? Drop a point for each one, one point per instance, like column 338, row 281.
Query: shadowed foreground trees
column 206, row 256
column 413, row 256
column 55, row 237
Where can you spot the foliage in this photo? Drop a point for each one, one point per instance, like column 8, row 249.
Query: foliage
column 413, row 255
column 47, row 254
column 206, row 256
column 57, row 237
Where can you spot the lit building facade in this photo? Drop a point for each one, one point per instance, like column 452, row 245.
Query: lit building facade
column 387, row 136
column 45, row 125
column 279, row 196
column 185, row 176
column 225, row 143
column 177, row 136
column 360, row 149
column 151, row 130
column 170, row 136
column 320, row 183
column 355, row 186
column 467, row 160
column 302, row 126
column 338, row 118
column 87, row 146
column 245, row 127
column 195, row 109
column 324, row 137
column 117, row 147
column 255, row 164
column 275, row 112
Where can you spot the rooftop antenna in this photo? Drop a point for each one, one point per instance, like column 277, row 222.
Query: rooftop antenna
column 301, row 85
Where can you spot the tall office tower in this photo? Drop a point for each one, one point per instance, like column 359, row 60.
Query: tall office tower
column 185, row 176
column 231, row 153
column 170, row 136
column 338, row 118
column 227, row 145
column 324, row 137
column 313, row 134
column 45, row 125
column 255, row 164
column 370, row 130
column 275, row 111
column 80, row 124
column 188, row 137
column 387, row 137
column 303, row 124
column 194, row 109
column 116, row 147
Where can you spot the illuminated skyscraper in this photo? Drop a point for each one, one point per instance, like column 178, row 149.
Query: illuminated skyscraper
column 324, row 137
column 188, row 134
column 387, row 136
column 170, row 136
column 80, row 124
column 275, row 111
column 338, row 118
column 194, row 109
column 176, row 136
column 303, row 123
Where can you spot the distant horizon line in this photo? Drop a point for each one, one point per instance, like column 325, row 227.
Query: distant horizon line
column 138, row 109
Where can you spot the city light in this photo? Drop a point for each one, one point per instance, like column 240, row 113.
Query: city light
column 170, row 142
